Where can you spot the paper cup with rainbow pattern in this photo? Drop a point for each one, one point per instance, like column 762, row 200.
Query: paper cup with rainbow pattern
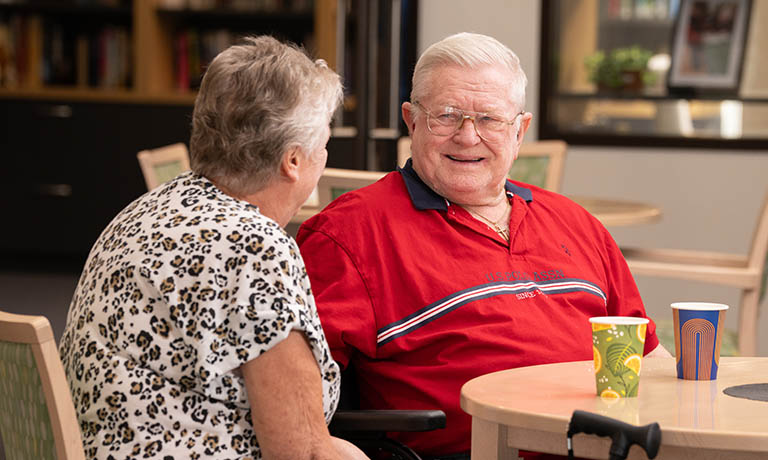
column 617, row 347
column 698, row 332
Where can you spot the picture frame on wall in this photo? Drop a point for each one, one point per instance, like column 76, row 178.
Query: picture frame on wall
column 708, row 47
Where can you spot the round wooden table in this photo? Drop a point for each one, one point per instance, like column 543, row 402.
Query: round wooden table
column 614, row 213
column 529, row 408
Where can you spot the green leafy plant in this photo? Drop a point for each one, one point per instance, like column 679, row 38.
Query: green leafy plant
column 621, row 68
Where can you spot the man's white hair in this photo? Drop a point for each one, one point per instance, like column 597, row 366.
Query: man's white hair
column 471, row 51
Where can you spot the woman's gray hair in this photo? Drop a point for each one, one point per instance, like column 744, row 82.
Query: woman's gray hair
column 258, row 100
column 471, row 51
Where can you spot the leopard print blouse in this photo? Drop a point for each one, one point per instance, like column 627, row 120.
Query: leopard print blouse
column 183, row 286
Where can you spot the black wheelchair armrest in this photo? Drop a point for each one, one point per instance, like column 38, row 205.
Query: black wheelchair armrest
column 387, row 420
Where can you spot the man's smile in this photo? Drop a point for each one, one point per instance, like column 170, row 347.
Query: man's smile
column 465, row 160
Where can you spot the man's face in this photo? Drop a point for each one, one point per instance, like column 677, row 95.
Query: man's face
column 463, row 167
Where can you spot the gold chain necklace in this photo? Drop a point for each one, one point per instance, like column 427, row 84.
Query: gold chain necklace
column 503, row 232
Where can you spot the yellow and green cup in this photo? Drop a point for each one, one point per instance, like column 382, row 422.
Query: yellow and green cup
column 617, row 347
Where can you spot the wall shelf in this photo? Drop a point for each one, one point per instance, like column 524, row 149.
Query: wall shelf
column 572, row 110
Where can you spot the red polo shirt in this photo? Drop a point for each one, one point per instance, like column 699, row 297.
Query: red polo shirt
column 422, row 297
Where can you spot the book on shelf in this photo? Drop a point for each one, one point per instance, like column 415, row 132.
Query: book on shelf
column 194, row 49
column 38, row 51
column 181, row 58
column 19, row 65
column 291, row 6
column 103, row 59
column 59, row 54
column 7, row 66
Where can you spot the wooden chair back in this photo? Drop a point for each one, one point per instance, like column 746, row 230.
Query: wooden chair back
column 745, row 272
column 539, row 163
column 332, row 184
column 758, row 254
column 38, row 417
column 403, row 150
column 163, row 164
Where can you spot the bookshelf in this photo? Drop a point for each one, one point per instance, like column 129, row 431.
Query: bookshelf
column 142, row 51
column 70, row 143
column 85, row 84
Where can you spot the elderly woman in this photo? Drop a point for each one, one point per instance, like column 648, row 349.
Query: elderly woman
column 193, row 331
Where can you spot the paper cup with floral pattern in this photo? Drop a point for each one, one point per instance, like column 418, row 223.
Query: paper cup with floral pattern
column 617, row 347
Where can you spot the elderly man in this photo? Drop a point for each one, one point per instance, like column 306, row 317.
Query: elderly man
column 445, row 270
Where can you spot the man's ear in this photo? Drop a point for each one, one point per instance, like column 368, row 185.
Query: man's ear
column 289, row 166
column 407, row 109
column 525, row 123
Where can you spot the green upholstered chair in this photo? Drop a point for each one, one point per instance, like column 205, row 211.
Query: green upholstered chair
column 541, row 164
column 332, row 184
column 745, row 272
column 538, row 163
column 335, row 182
column 163, row 164
column 37, row 417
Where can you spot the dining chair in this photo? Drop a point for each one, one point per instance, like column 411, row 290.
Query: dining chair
column 332, row 184
column 163, row 164
column 745, row 272
column 403, row 150
column 539, row 163
column 38, row 417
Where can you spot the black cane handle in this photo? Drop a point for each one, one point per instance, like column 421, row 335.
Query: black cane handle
column 623, row 435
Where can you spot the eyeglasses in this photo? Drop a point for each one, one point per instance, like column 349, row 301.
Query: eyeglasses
column 449, row 120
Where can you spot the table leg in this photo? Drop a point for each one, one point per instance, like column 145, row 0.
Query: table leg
column 489, row 441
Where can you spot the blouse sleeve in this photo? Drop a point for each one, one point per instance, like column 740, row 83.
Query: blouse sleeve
column 256, row 295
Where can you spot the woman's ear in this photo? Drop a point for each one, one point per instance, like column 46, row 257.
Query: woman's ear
column 291, row 162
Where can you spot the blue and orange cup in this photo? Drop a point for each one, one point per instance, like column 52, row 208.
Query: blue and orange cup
column 698, row 333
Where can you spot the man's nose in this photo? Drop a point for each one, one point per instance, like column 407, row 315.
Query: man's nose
column 468, row 133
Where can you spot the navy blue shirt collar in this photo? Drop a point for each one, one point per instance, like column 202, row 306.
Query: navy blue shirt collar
column 424, row 197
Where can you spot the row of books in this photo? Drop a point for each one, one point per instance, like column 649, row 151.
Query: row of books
column 112, row 3
column 34, row 50
column 288, row 6
column 194, row 50
column 641, row 9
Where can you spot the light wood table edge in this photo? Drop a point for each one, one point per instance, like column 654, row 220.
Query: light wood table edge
column 524, row 427
column 615, row 213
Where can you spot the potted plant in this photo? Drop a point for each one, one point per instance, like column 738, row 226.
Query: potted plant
column 622, row 69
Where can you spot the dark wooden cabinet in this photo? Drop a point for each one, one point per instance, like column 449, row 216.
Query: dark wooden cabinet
column 68, row 168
